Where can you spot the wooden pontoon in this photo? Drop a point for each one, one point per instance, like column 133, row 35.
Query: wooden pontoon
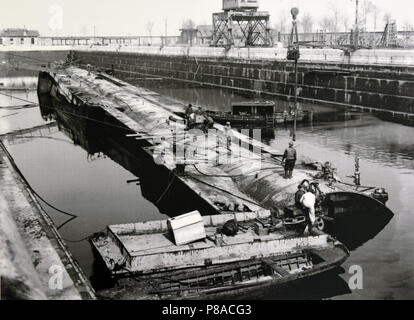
column 264, row 252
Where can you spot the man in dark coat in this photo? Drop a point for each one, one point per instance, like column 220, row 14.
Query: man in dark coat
column 298, row 196
column 289, row 159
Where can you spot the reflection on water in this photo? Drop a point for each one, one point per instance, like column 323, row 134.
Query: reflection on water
column 14, row 114
column 211, row 99
column 87, row 175
column 18, row 82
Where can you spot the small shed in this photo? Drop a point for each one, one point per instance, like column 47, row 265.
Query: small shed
column 14, row 36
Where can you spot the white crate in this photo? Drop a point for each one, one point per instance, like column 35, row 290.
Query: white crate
column 187, row 228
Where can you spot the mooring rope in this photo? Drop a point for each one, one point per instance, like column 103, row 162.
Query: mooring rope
column 223, row 190
column 16, row 168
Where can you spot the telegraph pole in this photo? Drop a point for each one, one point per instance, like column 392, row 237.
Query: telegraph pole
column 356, row 42
column 294, row 54
column 166, row 28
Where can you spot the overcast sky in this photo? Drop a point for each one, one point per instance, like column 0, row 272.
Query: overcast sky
column 130, row 17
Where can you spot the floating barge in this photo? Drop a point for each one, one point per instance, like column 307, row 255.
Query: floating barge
column 257, row 113
column 263, row 251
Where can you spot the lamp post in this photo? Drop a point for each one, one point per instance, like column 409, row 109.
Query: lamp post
column 356, row 40
column 294, row 54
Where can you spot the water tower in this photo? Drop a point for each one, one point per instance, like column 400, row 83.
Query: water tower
column 241, row 19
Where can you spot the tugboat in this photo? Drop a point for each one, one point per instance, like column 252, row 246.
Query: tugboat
column 257, row 113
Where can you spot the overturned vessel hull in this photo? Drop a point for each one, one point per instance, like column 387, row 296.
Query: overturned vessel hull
column 225, row 178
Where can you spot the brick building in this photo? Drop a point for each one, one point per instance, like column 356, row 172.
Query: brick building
column 19, row 37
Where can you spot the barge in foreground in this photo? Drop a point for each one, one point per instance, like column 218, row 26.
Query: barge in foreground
column 195, row 257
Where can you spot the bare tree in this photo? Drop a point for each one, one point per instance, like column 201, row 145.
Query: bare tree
column 327, row 24
column 408, row 26
column 336, row 17
column 376, row 12
column 307, row 23
column 281, row 25
column 150, row 26
column 367, row 9
column 387, row 17
column 188, row 24
column 345, row 22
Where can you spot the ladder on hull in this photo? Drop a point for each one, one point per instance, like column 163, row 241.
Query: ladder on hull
column 270, row 121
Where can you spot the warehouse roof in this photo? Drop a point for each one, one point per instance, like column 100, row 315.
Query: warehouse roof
column 15, row 32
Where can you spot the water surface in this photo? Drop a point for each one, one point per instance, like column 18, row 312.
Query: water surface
column 94, row 187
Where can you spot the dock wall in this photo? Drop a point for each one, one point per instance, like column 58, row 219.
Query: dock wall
column 372, row 80
column 19, row 279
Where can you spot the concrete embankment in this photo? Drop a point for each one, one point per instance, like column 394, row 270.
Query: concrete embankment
column 34, row 260
column 379, row 81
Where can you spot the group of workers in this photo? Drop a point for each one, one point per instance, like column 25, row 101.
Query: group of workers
column 308, row 195
column 307, row 198
column 197, row 118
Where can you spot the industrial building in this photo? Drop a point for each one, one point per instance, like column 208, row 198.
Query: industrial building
column 19, row 37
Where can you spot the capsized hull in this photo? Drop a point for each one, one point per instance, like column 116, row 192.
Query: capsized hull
column 349, row 212
column 357, row 217
column 219, row 175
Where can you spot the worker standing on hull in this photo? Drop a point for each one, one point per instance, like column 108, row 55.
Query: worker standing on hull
column 298, row 196
column 189, row 116
column 308, row 201
column 289, row 159
column 228, row 134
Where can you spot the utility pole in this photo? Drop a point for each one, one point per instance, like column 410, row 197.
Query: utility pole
column 356, row 42
column 166, row 28
column 294, row 54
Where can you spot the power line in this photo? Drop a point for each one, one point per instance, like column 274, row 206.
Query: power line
column 9, row 115
column 17, row 98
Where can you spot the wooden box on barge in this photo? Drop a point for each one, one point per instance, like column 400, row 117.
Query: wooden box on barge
column 187, row 228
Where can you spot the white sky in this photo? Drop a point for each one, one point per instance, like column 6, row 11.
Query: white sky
column 129, row 17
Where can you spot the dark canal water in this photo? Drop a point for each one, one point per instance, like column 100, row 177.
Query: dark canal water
column 95, row 188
